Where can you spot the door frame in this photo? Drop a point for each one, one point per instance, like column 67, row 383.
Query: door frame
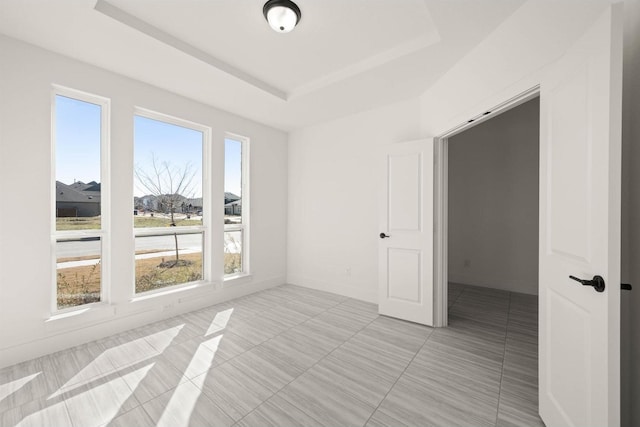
column 441, row 200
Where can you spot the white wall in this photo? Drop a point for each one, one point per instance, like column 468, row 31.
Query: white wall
column 25, row 179
column 508, row 62
column 333, row 199
column 493, row 202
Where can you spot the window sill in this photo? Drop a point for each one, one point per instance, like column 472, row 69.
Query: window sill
column 172, row 290
column 91, row 313
column 237, row 279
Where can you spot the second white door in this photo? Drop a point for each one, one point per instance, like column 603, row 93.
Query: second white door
column 406, row 232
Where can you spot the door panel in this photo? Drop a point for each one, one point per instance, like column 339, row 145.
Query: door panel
column 406, row 216
column 570, row 332
column 570, row 172
column 403, row 283
column 580, row 162
column 405, row 194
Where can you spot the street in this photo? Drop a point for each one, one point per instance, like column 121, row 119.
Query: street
column 186, row 242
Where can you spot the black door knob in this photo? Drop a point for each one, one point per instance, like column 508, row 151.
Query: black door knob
column 382, row 235
column 597, row 282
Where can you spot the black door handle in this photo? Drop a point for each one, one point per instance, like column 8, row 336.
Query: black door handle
column 382, row 235
column 626, row 287
column 597, row 282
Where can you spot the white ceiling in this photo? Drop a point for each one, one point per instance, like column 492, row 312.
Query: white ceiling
column 345, row 56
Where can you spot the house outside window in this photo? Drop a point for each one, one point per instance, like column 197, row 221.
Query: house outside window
column 170, row 195
column 236, row 206
column 80, row 136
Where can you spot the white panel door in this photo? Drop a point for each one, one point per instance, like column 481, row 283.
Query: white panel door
column 406, row 232
column 580, row 163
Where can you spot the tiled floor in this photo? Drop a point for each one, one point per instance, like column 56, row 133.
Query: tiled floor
column 291, row 356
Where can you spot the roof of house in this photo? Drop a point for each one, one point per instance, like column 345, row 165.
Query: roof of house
column 230, row 196
column 197, row 201
column 81, row 186
column 69, row 194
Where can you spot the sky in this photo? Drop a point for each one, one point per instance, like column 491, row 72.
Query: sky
column 78, row 147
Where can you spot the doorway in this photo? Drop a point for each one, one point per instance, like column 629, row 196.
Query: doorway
column 493, row 202
column 493, row 162
column 492, row 253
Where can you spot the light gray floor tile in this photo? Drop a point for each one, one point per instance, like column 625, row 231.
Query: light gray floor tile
column 518, row 411
column 99, row 403
column 227, row 345
column 42, row 412
column 487, row 331
column 126, row 350
column 357, row 306
column 355, row 314
column 136, row 417
column 234, row 391
column 328, row 405
column 284, row 316
column 166, row 332
column 153, row 380
column 27, row 381
column 193, row 357
column 355, row 381
column 381, row 419
column 293, row 351
column 414, row 404
column 186, row 406
column 254, row 302
column 310, row 340
column 406, row 335
column 326, row 330
column 257, row 330
column 277, row 412
column 384, row 367
column 265, row 369
column 473, row 344
column 521, row 366
column 307, row 309
column 82, row 364
column 392, row 357
column 346, row 321
column 465, row 377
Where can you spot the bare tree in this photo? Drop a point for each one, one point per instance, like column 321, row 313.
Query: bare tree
column 170, row 185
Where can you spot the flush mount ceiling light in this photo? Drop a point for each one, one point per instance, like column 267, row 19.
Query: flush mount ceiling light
column 282, row 15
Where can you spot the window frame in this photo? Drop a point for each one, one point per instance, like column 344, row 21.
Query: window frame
column 204, row 229
column 245, row 226
column 105, row 200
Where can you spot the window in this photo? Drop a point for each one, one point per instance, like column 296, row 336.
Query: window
column 169, row 201
column 236, row 206
column 80, row 144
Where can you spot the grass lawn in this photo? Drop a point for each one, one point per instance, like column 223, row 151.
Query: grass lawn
column 78, row 285
column 81, row 285
column 232, row 263
column 154, row 221
column 87, row 223
column 93, row 223
column 150, row 275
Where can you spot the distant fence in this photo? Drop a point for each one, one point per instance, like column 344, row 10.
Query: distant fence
column 66, row 212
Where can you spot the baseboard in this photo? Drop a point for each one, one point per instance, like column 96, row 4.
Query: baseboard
column 471, row 281
column 347, row 290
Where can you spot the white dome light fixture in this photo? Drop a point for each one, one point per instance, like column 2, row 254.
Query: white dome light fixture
column 282, row 15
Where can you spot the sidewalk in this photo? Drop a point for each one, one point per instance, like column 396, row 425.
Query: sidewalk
column 71, row 264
